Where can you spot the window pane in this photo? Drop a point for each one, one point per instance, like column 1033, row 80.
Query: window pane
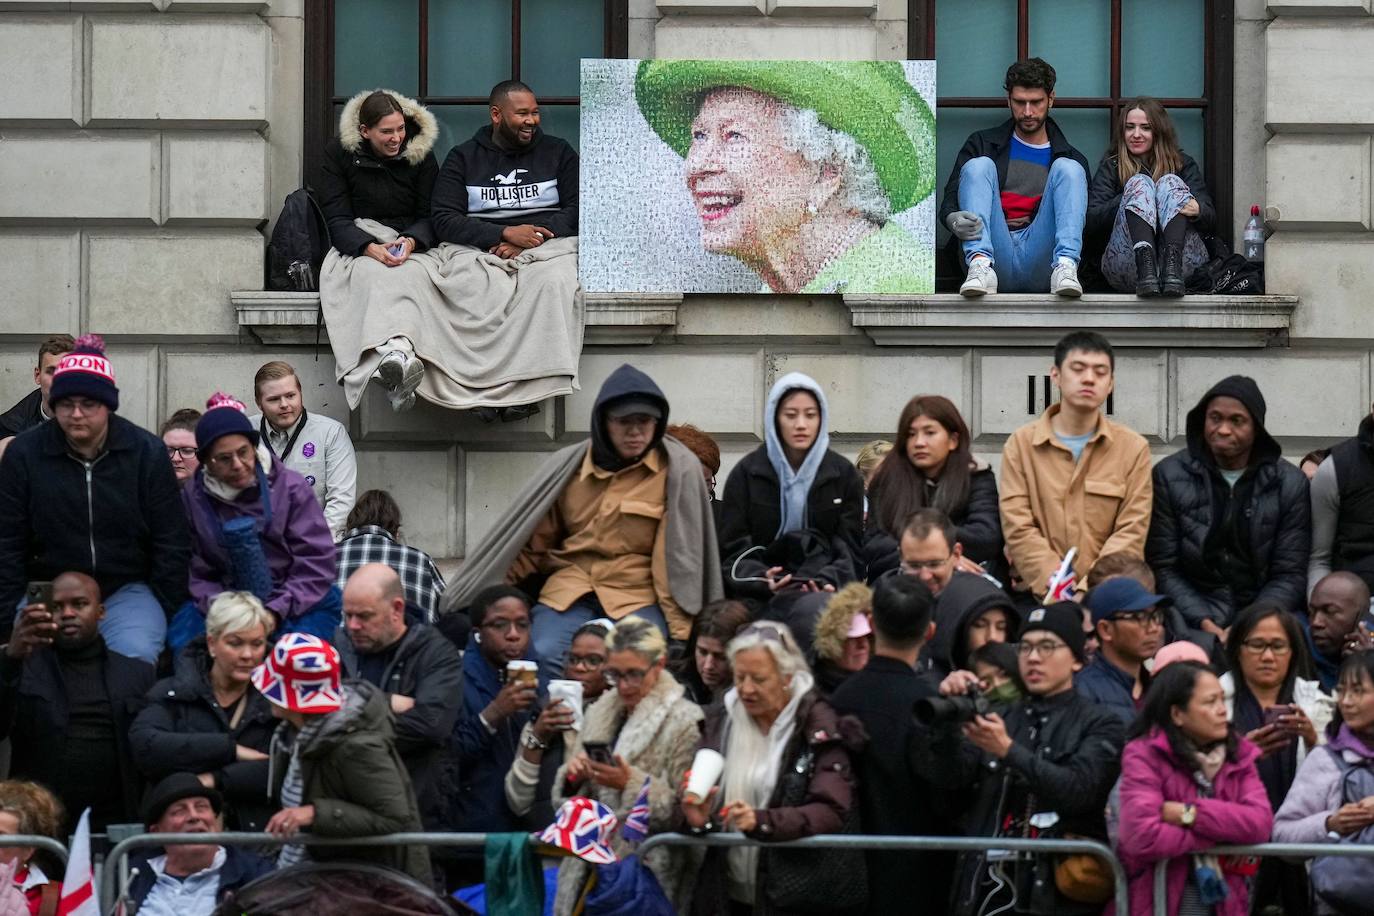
column 554, row 37
column 1162, row 47
column 376, row 45
column 457, row 124
column 1188, row 123
column 1075, row 37
column 562, row 121
column 1088, row 129
column 975, row 42
column 469, row 46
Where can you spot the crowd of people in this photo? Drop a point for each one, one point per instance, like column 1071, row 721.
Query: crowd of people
column 211, row 630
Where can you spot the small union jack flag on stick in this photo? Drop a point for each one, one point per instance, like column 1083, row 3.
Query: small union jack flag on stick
column 1063, row 581
column 636, row 825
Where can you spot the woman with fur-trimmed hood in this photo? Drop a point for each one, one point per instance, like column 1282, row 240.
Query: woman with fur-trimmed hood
column 844, row 637
column 375, row 191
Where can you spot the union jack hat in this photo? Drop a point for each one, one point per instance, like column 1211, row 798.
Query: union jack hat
column 583, row 828
column 301, row 674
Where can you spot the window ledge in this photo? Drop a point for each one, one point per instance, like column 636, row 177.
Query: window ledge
column 288, row 318
column 1034, row 320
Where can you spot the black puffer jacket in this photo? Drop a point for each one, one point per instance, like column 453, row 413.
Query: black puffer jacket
column 1066, row 755
column 1104, row 198
column 979, row 521
column 1215, row 550
column 355, row 184
column 183, row 729
column 752, row 512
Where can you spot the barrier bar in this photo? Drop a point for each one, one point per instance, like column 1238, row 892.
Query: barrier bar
column 914, row 843
column 45, row 843
column 1276, row 850
column 115, row 861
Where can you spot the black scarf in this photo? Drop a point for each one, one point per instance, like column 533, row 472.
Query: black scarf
column 1277, row 770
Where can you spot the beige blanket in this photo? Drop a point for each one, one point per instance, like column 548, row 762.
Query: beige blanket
column 492, row 332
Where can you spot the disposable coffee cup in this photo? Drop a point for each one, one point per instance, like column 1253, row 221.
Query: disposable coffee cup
column 706, row 769
column 522, row 671
column 570, row 692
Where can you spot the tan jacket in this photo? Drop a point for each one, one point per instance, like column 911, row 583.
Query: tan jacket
column 605, row 535
column 1099, row 504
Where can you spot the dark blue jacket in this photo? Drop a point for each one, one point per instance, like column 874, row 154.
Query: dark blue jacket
column 240, row 868
column 483, row 758
column 1107, row 686
column 117, row 518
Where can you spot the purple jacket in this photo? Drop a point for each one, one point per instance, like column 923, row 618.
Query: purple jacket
column 1238, row 813
column 298, row 545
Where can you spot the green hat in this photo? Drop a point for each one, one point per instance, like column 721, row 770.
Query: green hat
column 869, row 100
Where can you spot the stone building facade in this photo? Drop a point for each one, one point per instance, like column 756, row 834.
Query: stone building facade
column 145, row 146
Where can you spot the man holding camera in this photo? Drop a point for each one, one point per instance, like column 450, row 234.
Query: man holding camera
column 1044, row 770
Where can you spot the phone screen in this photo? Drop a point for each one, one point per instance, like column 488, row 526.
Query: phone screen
column 599, row 753
column 40, row 593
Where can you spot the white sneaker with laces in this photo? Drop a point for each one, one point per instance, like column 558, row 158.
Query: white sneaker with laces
column 1064, row 280
column 400, row 374
column 981, row 280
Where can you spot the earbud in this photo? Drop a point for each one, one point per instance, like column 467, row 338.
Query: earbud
column 477, row 637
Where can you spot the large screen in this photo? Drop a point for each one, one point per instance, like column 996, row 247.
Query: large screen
column 723, row 176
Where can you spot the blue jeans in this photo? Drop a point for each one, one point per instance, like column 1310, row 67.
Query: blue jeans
column 322, row 620
column 1157, row 203
column 551, row 631
column 1023, row 258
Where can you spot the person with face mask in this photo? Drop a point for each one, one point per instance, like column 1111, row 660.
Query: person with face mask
column 614, row 527
column 792, row 519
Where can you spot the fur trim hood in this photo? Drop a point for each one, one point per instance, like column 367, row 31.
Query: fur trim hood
column 422, row 128
column 832, row 628
column 642, row 726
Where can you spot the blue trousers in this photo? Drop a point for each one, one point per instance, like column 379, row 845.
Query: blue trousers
column 551, row 631
column 322, row 620
column 1023, row 258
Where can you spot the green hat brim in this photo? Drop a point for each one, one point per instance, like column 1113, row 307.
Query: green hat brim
column 870, row 101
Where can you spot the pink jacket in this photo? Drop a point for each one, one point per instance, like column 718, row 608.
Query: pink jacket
column 1238, row 813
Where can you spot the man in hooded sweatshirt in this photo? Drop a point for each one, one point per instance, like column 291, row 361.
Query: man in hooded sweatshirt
column 1231, row 518
column 616, row 526
column 511, row 187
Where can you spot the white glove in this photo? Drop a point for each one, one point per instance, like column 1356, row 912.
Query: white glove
column 965, row 225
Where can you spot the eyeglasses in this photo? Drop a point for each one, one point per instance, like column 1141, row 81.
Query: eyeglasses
column 500, row 624
column 586, row 661
column 1043, row 648
column 912, row 569
column 1140, row 618
column 763, row 630
column 1259, row 646
column 184, row 452
column 69, row 406
column 229, row 459
column 628, row 678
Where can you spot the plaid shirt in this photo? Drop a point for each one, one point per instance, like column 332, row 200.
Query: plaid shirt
column 419, row 577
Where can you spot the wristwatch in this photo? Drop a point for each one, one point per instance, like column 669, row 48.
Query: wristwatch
column 1189, row 815
column 529, row 740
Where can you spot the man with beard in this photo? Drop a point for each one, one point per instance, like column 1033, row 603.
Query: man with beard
column 1018, row 194
column 511, row 187
column 67, row 701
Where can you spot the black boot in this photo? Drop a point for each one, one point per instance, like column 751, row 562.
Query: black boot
column 1171, row 274
column 1146, row 278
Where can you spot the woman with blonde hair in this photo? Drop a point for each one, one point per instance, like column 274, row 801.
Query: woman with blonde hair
column 1149, row 203
column 844, row 636
column 26, row 808
column 208, row 718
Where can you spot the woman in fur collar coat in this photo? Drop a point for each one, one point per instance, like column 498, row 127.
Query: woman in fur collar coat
column 375, row 191
column 650, row 729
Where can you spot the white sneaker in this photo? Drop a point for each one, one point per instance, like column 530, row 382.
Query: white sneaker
column 1064, row 280
column 391, row 369
column 400, row 374
column 981, row 280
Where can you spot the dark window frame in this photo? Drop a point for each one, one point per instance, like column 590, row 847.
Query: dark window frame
column 1217, row 101
column 319, row 70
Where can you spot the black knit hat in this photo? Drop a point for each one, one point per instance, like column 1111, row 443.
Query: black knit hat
column 1063, row 618
column 85, row 373
column 224, row 415
column 173, row 789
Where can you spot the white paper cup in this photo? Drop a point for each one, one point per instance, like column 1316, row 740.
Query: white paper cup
column 570, row 692
column 706, row 769
column 521, row 670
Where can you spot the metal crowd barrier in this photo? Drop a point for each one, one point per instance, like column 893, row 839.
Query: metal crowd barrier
column 45, row 843
column 915, row 843
column 1281, row 850
column 115, row 862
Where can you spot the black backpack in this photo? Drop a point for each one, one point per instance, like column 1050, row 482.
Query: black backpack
column 300, row 240
column 1227, row 273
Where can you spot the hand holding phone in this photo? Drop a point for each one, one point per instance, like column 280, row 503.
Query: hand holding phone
column 599, row 752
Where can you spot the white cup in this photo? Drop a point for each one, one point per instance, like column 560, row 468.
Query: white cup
column 522, row 670
column 570, row 692
column 706, row 769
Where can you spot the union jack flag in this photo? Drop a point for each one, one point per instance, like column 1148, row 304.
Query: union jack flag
column 636, row 825
column 301, row 673
column 583, row 827
column 1061, row 584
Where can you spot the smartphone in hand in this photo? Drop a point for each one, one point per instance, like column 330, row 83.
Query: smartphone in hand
column 599, row 752
column 40, row 593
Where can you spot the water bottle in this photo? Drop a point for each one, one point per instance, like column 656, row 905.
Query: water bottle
column 1254, row 236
